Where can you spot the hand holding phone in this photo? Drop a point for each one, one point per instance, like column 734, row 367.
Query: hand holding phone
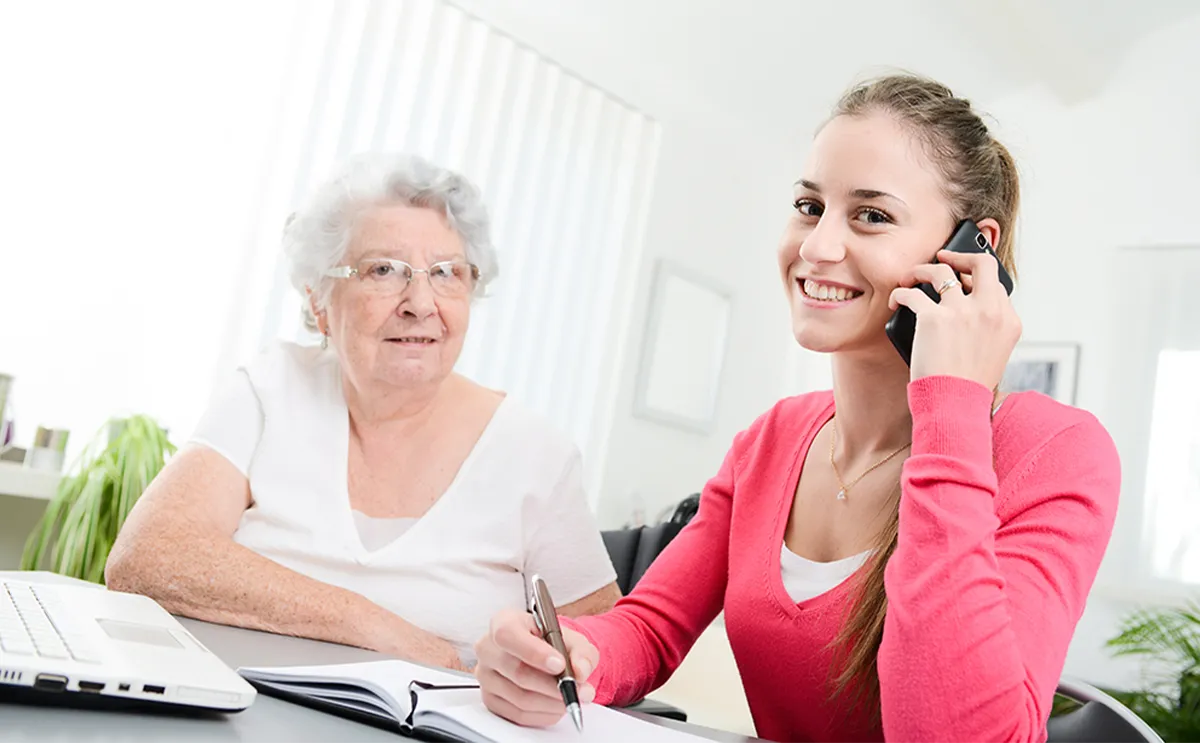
column 965, row 337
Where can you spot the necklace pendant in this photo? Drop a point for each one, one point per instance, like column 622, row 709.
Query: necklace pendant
column 841, row 494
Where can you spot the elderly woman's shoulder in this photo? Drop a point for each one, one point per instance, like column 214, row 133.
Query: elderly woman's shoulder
column 285, row 365
column 526, row 431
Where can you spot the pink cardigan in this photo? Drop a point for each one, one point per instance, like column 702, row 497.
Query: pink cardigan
column 1002, row 527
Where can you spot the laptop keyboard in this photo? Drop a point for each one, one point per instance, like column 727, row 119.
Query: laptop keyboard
column 35, row 622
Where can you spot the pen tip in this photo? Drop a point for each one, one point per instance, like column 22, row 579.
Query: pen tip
column 576, row 716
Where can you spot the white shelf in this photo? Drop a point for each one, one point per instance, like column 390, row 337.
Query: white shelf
column 20, row 481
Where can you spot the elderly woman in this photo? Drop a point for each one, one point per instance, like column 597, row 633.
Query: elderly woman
column 362, row 492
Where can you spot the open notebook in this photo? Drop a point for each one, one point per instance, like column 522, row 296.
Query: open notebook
column 421, row 702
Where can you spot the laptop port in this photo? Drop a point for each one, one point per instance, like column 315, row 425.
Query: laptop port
column 95, row 687
column 50, row 682
column 122, row 687
column 154, row 689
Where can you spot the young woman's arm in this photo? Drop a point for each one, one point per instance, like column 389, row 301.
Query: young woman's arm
column 625, row 653
column 646, row 636
column 980, row 613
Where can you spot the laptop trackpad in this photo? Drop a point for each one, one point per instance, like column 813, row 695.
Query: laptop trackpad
column 146, row 634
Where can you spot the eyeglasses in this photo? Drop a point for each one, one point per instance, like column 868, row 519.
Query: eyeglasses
column 387, row 276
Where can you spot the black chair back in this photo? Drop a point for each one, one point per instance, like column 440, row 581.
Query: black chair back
column 1100, row 718
column 632, row 550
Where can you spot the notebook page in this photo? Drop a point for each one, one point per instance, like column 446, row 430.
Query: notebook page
column 600, row 725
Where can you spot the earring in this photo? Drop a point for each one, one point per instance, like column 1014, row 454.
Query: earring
column 324, row 341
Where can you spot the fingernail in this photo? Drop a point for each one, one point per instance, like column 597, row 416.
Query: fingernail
column 587, row 694
column 554, row 664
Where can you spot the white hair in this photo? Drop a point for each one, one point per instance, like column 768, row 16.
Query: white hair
column 316, row 235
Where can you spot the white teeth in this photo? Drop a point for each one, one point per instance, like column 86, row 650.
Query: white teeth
column 827, row 292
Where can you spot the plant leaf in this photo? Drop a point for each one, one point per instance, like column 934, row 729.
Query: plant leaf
column 1170, row 699
column 76, row 532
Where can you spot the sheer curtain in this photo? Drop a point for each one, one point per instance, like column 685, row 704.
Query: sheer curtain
column 566, row 170
column 1156, row 397
column 1172, row 476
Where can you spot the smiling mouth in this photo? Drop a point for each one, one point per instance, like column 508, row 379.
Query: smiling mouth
column 413, row 339
column 827, row 292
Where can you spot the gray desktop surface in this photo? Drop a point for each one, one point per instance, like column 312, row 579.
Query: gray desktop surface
column 268, row 719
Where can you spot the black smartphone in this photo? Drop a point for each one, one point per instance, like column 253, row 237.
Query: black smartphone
column 966, row 238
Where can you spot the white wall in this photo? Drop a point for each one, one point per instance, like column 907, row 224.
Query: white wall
column 1118, row 172
column 744, row 192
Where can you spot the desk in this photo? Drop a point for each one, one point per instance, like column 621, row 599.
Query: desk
column 268, row 719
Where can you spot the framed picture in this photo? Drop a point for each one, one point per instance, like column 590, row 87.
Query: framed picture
column 1049, row 368
column 683, row 349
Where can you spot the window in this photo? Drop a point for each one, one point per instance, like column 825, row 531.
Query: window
column 1173, row 467
column 1145, row 359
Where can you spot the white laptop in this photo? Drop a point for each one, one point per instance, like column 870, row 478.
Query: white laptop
column 81, row 640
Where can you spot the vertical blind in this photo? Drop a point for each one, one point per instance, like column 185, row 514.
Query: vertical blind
column 565, row 168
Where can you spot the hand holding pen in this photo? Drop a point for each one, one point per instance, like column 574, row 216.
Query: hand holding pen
column 521, row 672
column 546, row 619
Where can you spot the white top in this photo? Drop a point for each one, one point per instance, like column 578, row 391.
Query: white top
column 516, row 507
column 805, row 579
column 376, row 532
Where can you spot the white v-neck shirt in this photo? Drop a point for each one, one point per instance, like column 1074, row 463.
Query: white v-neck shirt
column 804, row 579
column 515, row 508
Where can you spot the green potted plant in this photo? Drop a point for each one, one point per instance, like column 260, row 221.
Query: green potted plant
column 82, row 520
column 1169, row 701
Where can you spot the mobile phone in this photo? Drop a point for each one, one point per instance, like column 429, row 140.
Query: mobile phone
column 966, row 238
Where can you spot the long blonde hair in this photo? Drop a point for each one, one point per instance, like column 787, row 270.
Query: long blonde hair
column 980, row 180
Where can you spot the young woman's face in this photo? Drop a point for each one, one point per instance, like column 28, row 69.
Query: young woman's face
column 869, row 207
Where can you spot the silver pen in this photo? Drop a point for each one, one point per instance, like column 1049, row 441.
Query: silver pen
column 547, row 623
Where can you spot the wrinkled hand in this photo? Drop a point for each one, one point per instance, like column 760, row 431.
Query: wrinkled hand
column 971, row 333
column 453, row 660
column 402, row 640
column 517, row 668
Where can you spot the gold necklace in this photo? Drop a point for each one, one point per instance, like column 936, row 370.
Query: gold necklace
column 841, row 495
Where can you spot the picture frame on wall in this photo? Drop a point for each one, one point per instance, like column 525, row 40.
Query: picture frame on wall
column 683, row 349
column 1049, row 368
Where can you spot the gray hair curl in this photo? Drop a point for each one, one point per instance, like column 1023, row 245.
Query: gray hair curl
column 316, row 235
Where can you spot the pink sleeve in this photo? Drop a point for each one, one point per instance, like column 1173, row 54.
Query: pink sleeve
column 980, row 613
column 645, row 637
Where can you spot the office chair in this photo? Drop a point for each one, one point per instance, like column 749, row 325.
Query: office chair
column 632, row 551
column 1101, row 718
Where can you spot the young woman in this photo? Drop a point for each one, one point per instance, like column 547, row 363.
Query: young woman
column 904, row 557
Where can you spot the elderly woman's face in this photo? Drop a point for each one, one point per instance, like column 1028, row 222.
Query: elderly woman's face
column 403, row 336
